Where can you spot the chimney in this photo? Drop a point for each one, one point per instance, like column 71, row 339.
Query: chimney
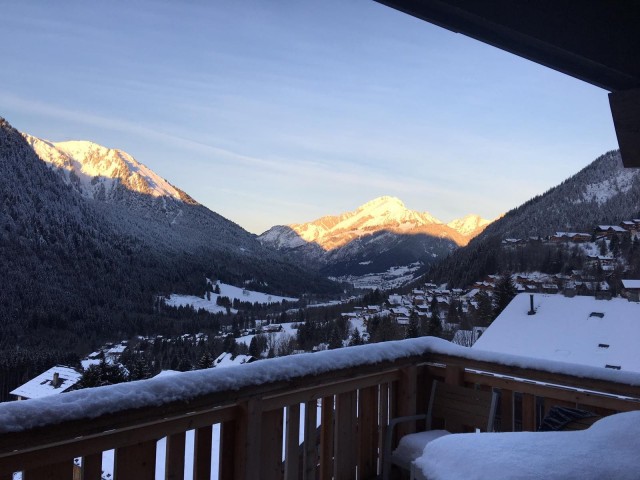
column 531, row 310
column 56, row 380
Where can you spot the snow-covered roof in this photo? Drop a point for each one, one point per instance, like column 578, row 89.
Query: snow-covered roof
column 580, row 330
column 42, row 385
column 225, row 360
column 167, row 373
column 631, row 283
column 613, row 228
column 395, row 299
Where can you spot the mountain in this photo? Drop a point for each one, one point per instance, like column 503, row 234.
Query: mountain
column 89, row 241
column 102, row 173
column 604, row 192
column 89, row 238
column 140, row 203
column 377, row 235
column 470, row 226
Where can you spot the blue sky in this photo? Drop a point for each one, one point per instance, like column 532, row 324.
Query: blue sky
column 276, row 112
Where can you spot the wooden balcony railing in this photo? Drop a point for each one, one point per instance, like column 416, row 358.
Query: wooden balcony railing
column 346, row 395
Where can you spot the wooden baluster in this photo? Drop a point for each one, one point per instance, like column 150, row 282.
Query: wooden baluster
column 56, row 471
column 406, row 398
column 367, row 432
column 292, row 449
column 310, row 459
column 92, row 467
column 271, row 445
column 528, row 412
column 326, row 439
column 345, row 436
column 136, row 462
column 174, row 457
column 454, row 375
column 226, row 453
column 202, row 453
column 248, row 435
column 383, row 419
column 506, row 410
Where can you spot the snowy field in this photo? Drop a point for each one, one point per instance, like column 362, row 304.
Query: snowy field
column 226, row 290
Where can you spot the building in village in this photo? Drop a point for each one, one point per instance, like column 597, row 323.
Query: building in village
column 54, row 381
column 582, row 330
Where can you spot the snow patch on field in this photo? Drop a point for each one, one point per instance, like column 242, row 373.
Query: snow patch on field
column 209, row 302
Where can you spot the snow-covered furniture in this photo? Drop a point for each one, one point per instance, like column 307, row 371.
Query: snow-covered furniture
column 456, row 405
column 608, row 449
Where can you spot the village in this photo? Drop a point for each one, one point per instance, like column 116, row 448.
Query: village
column 459, row 315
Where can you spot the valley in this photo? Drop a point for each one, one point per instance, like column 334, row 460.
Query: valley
column 126, row 257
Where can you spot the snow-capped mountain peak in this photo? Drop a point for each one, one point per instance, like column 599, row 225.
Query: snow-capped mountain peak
column 375, row 236
column 99, row 172
column 385, row 213
column 468, row 224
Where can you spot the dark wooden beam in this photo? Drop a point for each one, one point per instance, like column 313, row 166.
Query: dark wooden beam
column 596, row 41
column 625, row 108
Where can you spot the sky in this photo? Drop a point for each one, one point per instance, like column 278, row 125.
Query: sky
column 282, row 111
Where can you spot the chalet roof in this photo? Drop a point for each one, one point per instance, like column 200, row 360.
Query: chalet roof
column 613, row 228
column 572, row 234
column 41, row 386
column 631, row 283
column 569, row 330
column 225, row 359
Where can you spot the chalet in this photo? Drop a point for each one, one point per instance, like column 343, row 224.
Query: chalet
column 395, row 300
column 608, row 231
column 512, row 242
column 573, row 237
column 631, row 290
column 273, row 328
column 372, row 309
column 598, row 333
column 630, row 225
column 419, row 299
column 601, row 261
column 422, row 308
column 56, row 380
column 226, row 359
column 398, row 312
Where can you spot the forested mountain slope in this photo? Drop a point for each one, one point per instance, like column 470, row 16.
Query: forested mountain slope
column 603, row 192
column 77, row 270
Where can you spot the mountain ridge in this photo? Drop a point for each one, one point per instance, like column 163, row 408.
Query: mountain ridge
column 603, row 192
column 380, row 228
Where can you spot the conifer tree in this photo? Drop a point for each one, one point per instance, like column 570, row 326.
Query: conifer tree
column 413, row 329
column 205, row 361
column 355, row 338
column 504, row 292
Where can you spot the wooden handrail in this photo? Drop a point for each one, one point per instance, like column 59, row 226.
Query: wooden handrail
column 357, row 399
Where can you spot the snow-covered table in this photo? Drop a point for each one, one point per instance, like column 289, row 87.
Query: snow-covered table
column 610, row 448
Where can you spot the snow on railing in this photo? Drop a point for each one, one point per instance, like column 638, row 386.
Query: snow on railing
column 353, row 391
